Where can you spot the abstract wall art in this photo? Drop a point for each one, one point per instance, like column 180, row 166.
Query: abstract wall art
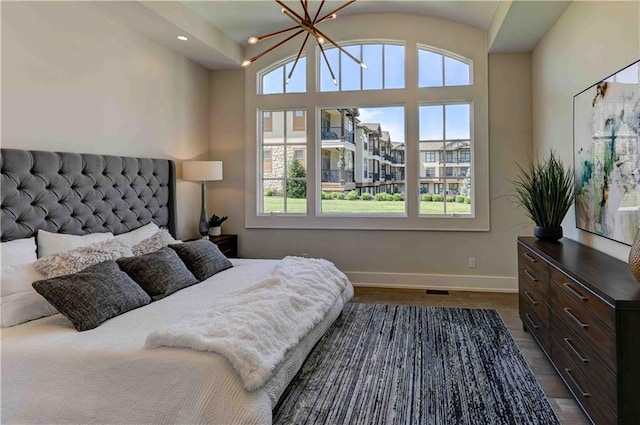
column 606, row 137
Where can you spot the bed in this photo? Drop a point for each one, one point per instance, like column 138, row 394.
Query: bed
column 51, row 373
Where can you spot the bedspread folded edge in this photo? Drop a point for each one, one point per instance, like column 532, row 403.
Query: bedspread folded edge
column 255, row 328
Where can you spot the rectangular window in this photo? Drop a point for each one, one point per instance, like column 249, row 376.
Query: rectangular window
column 299, row 154
column 341, row 185
column 267, row 164
column 447, row 128
column 284, row 179
column 267, row 122
column 299, row 121
column 430, row 156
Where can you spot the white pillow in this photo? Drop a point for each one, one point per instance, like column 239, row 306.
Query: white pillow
column 136, row 236
column 20, row 251
column 20, row 302
column 52, row 243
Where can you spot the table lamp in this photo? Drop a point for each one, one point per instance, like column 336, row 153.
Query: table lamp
column 202, row 171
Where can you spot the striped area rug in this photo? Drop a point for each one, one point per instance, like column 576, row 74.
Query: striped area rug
column 386, row 364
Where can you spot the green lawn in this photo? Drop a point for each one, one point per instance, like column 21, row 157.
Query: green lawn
column 276, row 204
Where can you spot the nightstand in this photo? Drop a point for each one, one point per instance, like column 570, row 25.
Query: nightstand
column 228, row 244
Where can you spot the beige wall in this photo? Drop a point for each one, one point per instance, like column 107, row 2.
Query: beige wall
column 588, row 43
column 415, row 252
column 74, row 80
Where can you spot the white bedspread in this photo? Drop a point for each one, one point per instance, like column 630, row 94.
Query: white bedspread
column 256, row 327
column 53, row 374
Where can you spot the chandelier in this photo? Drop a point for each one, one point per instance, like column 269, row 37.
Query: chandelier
column 304, row 23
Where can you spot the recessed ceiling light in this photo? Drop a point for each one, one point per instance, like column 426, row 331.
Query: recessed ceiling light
column 182, row 37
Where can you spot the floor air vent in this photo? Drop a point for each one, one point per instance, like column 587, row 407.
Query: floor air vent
column 436, row 292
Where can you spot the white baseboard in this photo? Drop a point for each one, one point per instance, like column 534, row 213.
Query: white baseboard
column 435, row 281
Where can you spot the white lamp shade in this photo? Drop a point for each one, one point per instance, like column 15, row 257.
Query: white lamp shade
column 202, row 170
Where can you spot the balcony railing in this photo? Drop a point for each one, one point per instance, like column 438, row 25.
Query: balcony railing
column 337, row 176
column 338, row 133
column 398, row 176
column 374, row 176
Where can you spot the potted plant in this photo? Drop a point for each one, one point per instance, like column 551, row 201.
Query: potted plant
column 214, row 225
column 545, row 190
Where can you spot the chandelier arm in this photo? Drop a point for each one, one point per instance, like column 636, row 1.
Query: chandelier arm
column 338, row 9
column 356, row 60
column 293, row 12
column 275, row 46
column 271, row 34
column 306, row 12
column 298, row 57
column 315, row 18
column 324, row 55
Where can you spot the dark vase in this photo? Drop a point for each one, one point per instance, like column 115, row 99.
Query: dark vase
column 547, row 233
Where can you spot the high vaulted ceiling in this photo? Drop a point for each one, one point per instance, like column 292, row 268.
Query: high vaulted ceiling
column 218, row 30
column 242, row 19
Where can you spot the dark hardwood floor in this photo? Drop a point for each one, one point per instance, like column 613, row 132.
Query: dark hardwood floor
column 507, row 305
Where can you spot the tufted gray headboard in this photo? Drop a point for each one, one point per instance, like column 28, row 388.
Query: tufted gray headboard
column 84, row 193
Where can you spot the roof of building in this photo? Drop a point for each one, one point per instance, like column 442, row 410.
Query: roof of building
column 371, row 126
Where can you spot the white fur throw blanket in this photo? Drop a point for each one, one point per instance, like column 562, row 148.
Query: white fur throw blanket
column 254, row 328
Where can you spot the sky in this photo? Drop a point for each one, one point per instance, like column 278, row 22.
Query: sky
column 385, row 70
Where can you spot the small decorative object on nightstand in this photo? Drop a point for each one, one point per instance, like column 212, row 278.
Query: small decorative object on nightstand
column 228, row 244
column 214, row 224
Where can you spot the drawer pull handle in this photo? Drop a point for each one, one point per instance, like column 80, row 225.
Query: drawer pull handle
column 574, row 292
column 532, row 277
column 575, row 350
column 585, row 395
column 532, row 259
column 570, row 314
column 531, row 320
column 534, row 302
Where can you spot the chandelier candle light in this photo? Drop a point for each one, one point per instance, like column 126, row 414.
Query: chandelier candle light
column 308, row 25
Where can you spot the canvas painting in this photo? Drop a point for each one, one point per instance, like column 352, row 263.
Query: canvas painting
column 607, row 156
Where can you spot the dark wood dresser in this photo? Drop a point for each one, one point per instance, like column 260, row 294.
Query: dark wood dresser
column 583, row 308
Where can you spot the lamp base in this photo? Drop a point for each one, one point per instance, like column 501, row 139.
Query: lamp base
column 203, row 227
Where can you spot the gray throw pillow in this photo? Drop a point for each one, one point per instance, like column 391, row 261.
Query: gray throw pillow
column 93, row 295
column 159, row 273
column 202, row 257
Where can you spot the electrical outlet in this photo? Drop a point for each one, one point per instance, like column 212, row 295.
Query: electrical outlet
column 472, row 262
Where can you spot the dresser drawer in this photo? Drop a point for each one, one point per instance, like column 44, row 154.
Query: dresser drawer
column 533, row 269
column 591, row 366
column 535, row 302
column 585, row 326
column 584, row 297
column 582, row 388
column 534, row 325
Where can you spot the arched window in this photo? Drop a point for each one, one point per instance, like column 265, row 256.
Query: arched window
column 438, row 69
column 385, row 67
column 273, row 80
column 385, row 155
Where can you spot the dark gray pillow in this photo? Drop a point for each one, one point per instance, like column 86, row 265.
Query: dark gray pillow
column 92, row 295
column 202, row 257
column 159, row 273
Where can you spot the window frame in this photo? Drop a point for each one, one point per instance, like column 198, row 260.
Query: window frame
column 338, row 70
column 472, row 48
column 261, row 146
column 444, row 54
